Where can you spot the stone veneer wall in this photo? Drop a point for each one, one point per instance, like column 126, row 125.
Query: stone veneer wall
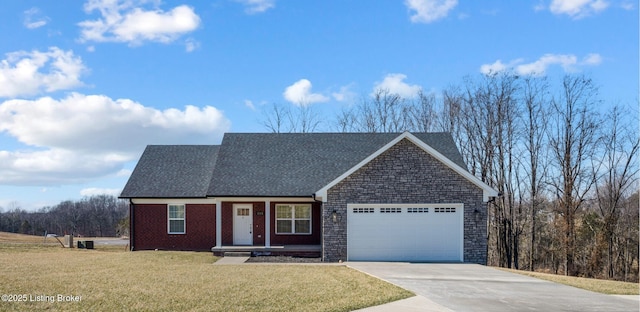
column 405, row 174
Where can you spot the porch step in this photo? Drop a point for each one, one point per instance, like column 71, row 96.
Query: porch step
column 237, row 254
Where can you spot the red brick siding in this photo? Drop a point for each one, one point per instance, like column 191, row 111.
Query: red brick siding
column 150, row 228
column 258, row 224
column 284, row 239
column 227, row 223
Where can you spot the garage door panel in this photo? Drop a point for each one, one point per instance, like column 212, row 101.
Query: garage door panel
column 404, row 232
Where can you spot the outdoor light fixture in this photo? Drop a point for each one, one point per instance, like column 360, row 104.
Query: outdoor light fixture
column 334, row 215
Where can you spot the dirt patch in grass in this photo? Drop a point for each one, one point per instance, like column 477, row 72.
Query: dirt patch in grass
column 172, row 281
column 597, row 285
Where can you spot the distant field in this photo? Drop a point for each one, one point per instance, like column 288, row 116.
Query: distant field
column 22, row 238
column 111, row 279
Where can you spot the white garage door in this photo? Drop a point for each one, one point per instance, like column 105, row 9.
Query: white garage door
column 405, row 232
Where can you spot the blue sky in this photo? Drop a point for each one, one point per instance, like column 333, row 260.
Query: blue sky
column 86, row 85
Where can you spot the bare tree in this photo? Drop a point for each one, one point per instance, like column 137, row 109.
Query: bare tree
column 535, row 126
column 421, row 113
column 616, row 173
column 283, row 119
column 572, row 142
column 627, row 238
column 346, row 120
column 303, row 119
column 275, row 118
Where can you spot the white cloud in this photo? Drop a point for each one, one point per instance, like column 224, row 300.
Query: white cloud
column 627, row 5
column 191, row 45
column 124, row 173
column 28, row 73
column 394, row 83
column 82, row 137
column 257, row 6
column 427, row 11
column 127, row 21
column 568, row 62
column 300, row 94
column 91, row 191
column 577, row 9
column 33, row 18
column 539, row 67
column 496, row 67
column 54, row 166
column 345, row 94
column 249, row 104
column 592, row 59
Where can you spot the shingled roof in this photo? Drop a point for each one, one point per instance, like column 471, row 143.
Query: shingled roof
column 172, row 171
column 262, row 164
column 298, row 164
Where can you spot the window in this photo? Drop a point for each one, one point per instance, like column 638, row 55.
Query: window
column 176, row 219
column 445, row 209
column 418, row 210
column 391, row 210
column 363, row 210
column 293, row 219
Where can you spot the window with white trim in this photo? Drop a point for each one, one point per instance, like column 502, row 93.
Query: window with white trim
column 176, row 219
column 293, row 219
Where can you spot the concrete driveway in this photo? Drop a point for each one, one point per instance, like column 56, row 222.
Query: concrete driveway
column 472, row 287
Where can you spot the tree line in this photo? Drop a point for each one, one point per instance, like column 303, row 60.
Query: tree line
column 566, row 169
column 98, row 215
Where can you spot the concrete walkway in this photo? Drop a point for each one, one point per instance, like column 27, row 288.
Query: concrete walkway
column 231, row 260
column 413, row 304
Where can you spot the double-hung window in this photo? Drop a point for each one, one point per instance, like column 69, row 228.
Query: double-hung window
column 293, row 219
column 176, row 219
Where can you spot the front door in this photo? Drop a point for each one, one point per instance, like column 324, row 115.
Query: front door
column 242, row 224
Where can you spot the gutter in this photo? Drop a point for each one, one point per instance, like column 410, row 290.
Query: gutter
column 131, row 225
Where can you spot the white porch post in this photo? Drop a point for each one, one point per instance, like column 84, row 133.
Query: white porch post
column 267, row 223
column 218, row 223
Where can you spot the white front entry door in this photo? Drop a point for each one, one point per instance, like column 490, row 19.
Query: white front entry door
column 242, row 224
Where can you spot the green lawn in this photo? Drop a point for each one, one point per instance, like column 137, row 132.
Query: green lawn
column 115, row 280
column 597, row 285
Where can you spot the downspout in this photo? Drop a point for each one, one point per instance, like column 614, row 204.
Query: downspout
column 321, row 227
column 491, row 200
column 131, row 223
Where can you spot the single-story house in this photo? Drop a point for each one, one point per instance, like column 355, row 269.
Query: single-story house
column 346, row 196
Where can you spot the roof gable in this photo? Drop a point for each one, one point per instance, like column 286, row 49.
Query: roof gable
column 170, row 171
column 487, row 191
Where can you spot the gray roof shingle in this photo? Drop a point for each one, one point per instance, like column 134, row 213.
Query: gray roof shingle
column 172, row 171
column 299, row 164
column 261, row 164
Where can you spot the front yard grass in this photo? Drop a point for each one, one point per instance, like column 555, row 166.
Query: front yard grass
column 109, row 280
column 608, row 287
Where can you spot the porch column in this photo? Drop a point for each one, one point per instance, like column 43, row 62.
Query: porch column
column 218, row 223
column 267, row 223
